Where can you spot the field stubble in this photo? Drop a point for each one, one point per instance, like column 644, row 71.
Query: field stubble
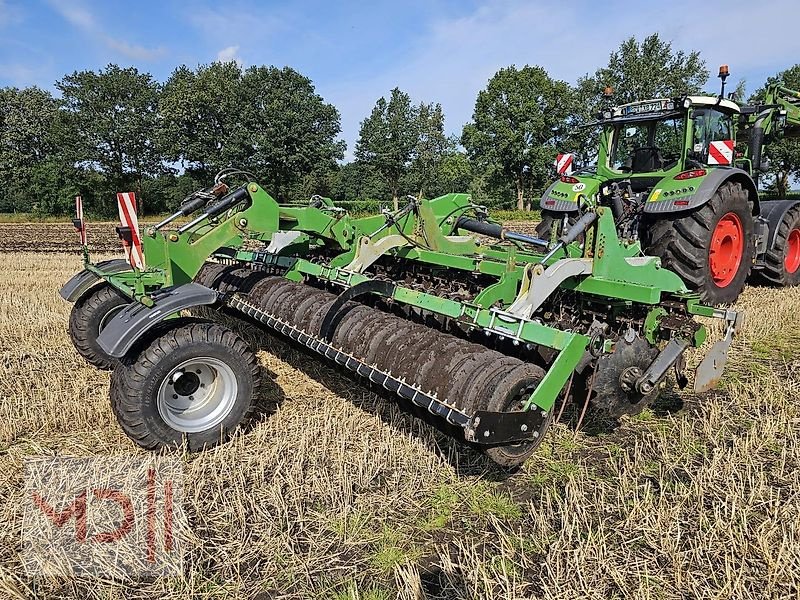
column 334, row 492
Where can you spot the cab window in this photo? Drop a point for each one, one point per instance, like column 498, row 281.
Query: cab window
column 647, row 146
column 709, row 125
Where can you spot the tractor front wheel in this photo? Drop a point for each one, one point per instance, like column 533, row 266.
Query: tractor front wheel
column 90, row 314
column 782, row 261
column 195, row 383
column 711, row 248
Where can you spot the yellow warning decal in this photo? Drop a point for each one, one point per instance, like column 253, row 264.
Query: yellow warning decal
column 654, row 196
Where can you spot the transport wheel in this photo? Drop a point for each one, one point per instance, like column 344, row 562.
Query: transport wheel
column 510, row 390
column 782, row 261
column 710, row 248
column 89, row 316
column 196, row 382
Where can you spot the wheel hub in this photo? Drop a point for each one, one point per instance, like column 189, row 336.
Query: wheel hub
column 726, row 249
column 791, row 261
column 197, row 395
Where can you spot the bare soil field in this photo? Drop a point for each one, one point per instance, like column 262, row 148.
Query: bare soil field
column 56, row 237
column 61, row 237
column 335, row 493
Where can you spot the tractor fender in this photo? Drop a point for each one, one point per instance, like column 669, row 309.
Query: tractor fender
column 772, row 211
column 551, row 203
column 707, row 188
column 79, row 283
column 136, row 319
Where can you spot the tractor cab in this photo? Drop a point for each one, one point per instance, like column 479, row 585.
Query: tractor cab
column 662, row 137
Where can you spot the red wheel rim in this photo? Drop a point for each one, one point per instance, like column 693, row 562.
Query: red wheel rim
column 792, row 259
column 727, row 248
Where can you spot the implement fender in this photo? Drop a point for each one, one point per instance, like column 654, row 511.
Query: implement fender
column 136, row 319
column 707, row 188
column 82, row 281
column 773, row 211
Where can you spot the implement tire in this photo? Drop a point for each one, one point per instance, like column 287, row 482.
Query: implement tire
column 710, row 248
column 89, row 315
column 193, row 384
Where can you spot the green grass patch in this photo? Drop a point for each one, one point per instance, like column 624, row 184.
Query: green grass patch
column 390, row 550
column 440, row 508
column 484, row 501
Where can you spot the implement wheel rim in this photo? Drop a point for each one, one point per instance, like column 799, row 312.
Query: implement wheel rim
column 727, row 249
column 791, row 261
column 197, row 395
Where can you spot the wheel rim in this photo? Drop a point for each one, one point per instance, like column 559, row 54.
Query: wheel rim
column 727, row 248
column 197, row 394
column 792, row 260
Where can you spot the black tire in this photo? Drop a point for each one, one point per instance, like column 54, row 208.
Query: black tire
column 211, row 274
column 544, row 229
column 781, row 261
column 136, row 387
column 89, row 315
column 684, row 244
column 508, row 393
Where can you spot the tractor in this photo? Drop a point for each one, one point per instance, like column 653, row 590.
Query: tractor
column 680, row 176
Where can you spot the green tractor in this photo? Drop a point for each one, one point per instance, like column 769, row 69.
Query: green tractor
column 680, row 176
column 485, row 333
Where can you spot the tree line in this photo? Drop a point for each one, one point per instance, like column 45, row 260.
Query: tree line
column 120, row 129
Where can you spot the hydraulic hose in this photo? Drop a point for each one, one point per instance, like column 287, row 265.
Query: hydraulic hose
column 496, row 231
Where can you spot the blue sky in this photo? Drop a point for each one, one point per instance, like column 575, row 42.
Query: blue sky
column 437, row 50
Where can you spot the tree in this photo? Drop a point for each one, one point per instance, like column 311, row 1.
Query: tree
column 651, row 69
column 454, row 173
column 32, row 169
column 288, row 131
column 112, row 117
column 387, row 139
column 518, row 120
column 430, row 148
column 784, row 154
column 202, row 118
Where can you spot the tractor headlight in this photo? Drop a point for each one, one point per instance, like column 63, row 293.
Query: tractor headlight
column 607, row 114
column 670, row 105
column 687, row 103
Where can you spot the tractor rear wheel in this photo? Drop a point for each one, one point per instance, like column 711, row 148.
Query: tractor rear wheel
column 90, row 314
column 544, row 229
column 782, row 261
column 195, row 383
column 711, row 248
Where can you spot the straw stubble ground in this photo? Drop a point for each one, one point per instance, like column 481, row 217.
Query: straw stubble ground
column 333, row 492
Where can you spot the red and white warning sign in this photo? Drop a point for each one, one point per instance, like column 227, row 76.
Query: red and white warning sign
column 126, row 202
column 564, row 164
column 80, row 224
column 720, row 153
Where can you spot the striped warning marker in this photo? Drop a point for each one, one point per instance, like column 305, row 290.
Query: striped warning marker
column 126, row 202
column 720, row 152
column 564, row 164
column 80, row 224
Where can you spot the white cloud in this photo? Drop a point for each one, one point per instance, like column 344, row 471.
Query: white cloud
column 79, row 16
column 229, row 54
column 456, row 57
